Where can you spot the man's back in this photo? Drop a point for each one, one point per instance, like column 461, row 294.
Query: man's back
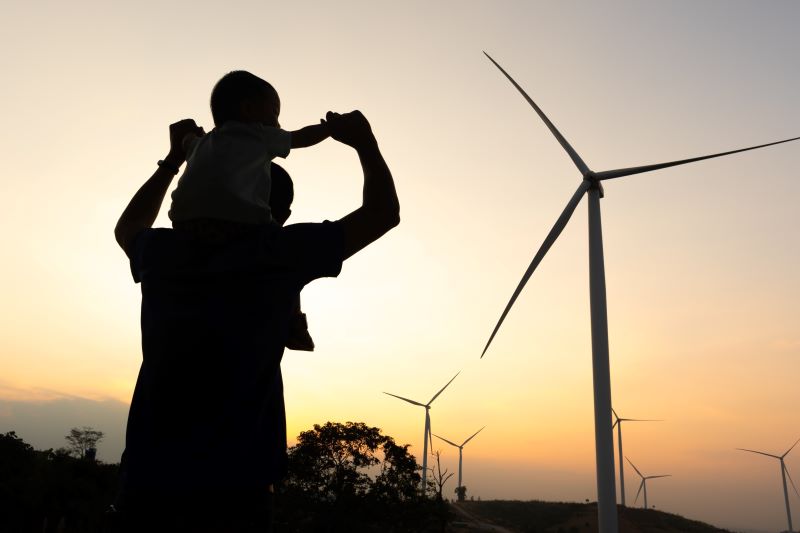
column 214, row 324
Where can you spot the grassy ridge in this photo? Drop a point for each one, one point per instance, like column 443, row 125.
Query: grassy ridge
column 560, row 517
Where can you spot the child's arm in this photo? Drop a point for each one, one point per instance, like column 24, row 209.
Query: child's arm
column 310, row 135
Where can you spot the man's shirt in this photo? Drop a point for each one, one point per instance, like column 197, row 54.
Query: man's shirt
column 208, row 411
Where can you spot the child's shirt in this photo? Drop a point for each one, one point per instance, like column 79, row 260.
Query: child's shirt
column 227, row 174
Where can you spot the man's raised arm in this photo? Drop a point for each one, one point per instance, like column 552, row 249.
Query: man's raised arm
column 145, row 204
column 380, row 208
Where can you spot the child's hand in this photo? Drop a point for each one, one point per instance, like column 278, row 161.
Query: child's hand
column 178, row 132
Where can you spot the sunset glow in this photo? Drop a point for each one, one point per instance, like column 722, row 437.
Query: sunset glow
column 701, row 260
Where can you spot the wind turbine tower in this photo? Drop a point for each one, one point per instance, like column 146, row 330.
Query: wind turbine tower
column 427, row 407
column 460, row 454
column 643, row 484
column 591, row 185
column 618, row 424
column 784, row 475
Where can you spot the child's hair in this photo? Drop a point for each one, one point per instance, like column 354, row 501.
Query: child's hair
column 233, row 89
column 281, row 195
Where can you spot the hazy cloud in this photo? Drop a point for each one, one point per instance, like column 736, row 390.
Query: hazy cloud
column 42, row 418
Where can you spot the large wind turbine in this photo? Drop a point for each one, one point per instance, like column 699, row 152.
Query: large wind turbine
column 618, row 424
column 460, row 452
column 427, row 407
column 643, row 484
column 591, row 184
column 784, row 474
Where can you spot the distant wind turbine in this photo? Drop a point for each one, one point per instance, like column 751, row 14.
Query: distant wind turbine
column 618, row 424
column 427, row 407
column 643, row 484
column 460, row 450
column 784, row 474
column 591, row 185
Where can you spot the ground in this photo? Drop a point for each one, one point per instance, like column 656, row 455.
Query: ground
column 557, row 517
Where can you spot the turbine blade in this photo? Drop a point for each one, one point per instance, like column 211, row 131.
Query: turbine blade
column 615, row 413
column 656, row 477
column 405, row 399
column 639, row 420
column 558, row 227
column 634, row 467
column 760, row 453
column 473, row 435
column 442, row 389
column 790, row 449
column 564, row 144
column 791, row 480
column 610, row 174
column 444, row 439
column 615, row 423
column 638, row 491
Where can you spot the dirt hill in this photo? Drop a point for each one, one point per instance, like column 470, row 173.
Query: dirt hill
column 556, row 517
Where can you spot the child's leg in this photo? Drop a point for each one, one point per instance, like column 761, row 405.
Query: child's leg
column 299, row 338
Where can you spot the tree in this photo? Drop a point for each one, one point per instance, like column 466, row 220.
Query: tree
column 439, row 477
column 336, row 461
column 350, row 477
column 399, row 477
column 330, row 461
column 80, row 441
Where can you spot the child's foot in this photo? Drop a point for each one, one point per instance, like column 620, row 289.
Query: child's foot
column 299, row 337
column 301, row 341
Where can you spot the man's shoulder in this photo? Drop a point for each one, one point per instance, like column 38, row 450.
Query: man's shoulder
column 308, row 232
column 311, row 249
column 315, row 250
column 260, row 234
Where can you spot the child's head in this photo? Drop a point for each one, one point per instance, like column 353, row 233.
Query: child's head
column 244, row 97
column 281, row 195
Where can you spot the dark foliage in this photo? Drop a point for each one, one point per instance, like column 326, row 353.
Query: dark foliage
column 343, row 477
column 47, row 490
column 349, row 477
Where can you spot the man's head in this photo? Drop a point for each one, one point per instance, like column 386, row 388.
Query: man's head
column 281, row 195
column 242, row 96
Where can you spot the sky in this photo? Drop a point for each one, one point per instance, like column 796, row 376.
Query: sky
column 701, row 260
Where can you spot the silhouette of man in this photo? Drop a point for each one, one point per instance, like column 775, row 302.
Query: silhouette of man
column 280, row 203
column 206, row 434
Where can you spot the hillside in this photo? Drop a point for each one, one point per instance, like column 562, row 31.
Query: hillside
column 557, row 517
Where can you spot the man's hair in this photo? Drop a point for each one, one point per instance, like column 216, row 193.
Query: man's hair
column 281, row 195
column 232, row 90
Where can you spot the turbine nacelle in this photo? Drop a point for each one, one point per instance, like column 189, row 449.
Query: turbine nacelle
column 592, row 178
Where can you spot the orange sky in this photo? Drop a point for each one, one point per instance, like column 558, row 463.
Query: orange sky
column 701, row 260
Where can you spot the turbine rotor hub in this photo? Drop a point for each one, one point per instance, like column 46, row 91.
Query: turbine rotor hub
column 591, row 177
